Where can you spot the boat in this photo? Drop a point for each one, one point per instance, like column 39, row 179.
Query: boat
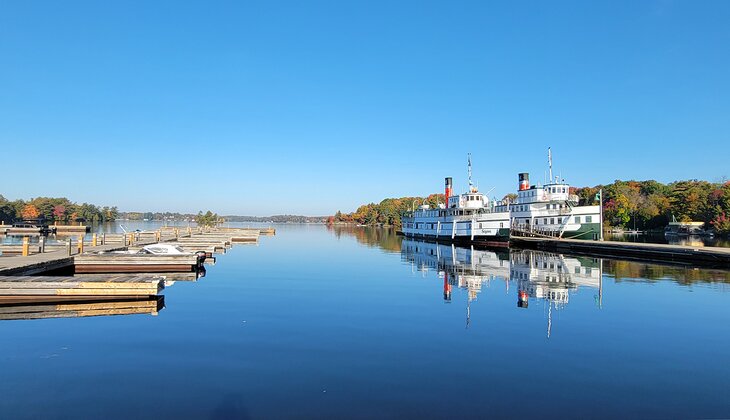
column 553, row 210
column 549, row 210
column 465, row 218
column 161, row 249
column 30, row 227
column 675, row 228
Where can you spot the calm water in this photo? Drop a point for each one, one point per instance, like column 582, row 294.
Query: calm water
column 357, row 323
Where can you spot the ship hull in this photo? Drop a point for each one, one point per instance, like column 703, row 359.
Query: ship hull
column 501, row 240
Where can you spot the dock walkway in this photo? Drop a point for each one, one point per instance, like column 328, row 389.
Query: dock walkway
column 47, row 261
column 58, row 256
column 14, row 287
column 715, row 256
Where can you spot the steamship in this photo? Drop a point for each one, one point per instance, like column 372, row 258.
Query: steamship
column 541, row 210
column 465, row 218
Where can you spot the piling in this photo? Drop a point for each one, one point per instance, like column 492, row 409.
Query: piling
column 26, row 246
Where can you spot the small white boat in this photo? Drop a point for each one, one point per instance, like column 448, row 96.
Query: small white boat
column 162, row 249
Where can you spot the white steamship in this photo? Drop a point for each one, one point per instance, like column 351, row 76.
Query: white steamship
column 471, row 217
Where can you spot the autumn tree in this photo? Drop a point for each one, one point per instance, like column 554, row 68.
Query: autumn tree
column 30, row 212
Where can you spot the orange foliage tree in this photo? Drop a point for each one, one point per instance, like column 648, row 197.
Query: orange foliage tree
column 30, row 212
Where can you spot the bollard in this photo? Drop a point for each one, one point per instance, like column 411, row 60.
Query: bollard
column 103, row 238
column 26, row 246
column 42, row 244
column 69, row 247
column 93, row 240
column 81, row 244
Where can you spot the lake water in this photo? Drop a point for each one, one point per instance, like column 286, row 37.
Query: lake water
column 340, row 322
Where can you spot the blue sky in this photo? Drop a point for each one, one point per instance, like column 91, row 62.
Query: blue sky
column 302, row 107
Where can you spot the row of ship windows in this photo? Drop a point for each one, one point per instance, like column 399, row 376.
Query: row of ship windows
column 550, row 190
column 545, row 221
column 552, row 267
column 549, row 207
column 553, row 220
column 433, row 225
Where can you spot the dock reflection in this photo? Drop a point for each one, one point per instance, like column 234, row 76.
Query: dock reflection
column 533, row 275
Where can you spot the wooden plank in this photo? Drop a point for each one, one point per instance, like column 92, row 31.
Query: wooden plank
column 40, row 310
column 71, row 286
column 135, row 268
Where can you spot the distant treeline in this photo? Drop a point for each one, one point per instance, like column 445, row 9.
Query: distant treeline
column 184, row 217
column 280, row 218
column 646, row 204
column 54, row 210
column 169, row 216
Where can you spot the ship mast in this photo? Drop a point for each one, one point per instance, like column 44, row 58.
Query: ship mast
column 550, row 163
column 469, row 171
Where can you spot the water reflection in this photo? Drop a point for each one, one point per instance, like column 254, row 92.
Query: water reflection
column 540, row 276
column 384, row 238
column 661, row 238
column 620, row 270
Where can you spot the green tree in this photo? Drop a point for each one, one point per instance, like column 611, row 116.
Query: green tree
column 207, row 219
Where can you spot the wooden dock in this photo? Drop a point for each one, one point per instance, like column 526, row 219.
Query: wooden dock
column 51, row 308
column 69, row 229
column 134, row 263
column 86, row 255
column 13, row 287
column 713, row 256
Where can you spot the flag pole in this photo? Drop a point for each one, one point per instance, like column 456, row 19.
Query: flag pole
column 600, row 204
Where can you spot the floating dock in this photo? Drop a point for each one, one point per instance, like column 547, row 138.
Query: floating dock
column 81, row 255
column 39, row 308
column 69, row 287
column 134, row 263
column 714, row 256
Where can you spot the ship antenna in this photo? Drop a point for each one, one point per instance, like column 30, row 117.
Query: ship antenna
column 550, row 163
column 469, row 166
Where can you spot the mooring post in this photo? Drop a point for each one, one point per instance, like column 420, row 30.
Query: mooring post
column 26, row 246
column 93, row 240
column 81, row 244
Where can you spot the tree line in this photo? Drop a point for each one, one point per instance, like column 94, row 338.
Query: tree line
column 651, row 205
column 386, row 213
column 52, row 209
column 646, row 205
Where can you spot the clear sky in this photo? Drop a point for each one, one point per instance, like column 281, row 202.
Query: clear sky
column 302, row 107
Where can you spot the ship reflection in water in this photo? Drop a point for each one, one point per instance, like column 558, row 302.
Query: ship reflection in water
column 534, row 275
